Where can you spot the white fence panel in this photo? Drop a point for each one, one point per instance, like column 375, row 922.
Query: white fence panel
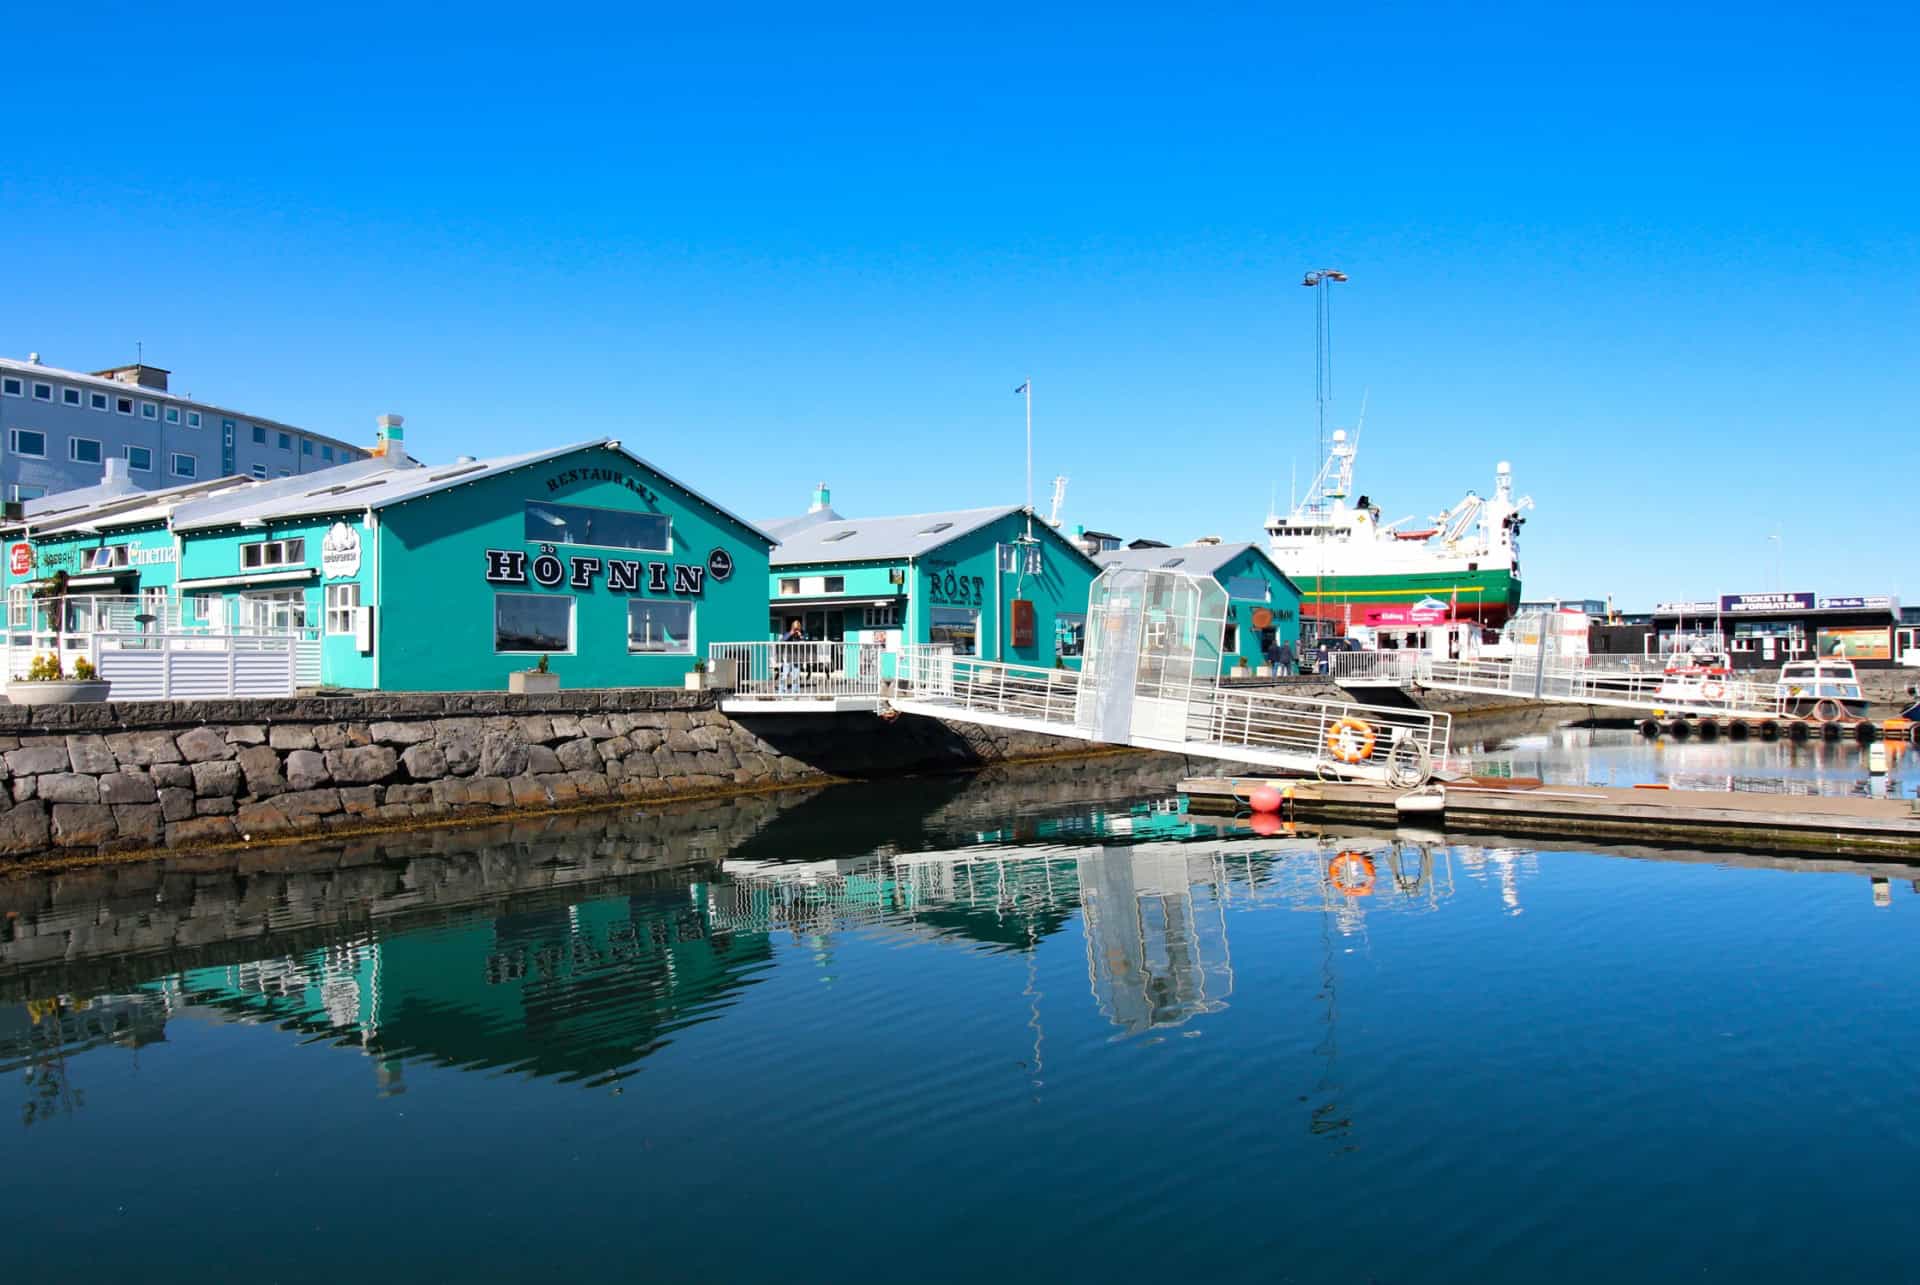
column 196, row 666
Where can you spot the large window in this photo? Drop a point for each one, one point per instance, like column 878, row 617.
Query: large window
column 273, row 611
column 532, row 622
column 609, row 528
column 185, row 465
column 342, row 601
column 955, row 628
column 1070, row 633
column 83, row 450
column 659, row 628
column 1248, row 588
column 273, row 553
column 29, row 441
column 140, row 459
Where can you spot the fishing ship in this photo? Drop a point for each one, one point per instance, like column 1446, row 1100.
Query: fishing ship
column 1353, row 569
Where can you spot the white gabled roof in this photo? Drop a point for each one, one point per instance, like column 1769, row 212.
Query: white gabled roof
column 377, row 482
column 1198, row 559
column 92, row 507
column 874, row 539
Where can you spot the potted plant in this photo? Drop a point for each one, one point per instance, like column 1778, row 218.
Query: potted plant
column 47, row 684
column 697, row 678
column 538, row 681
column 1240, row 669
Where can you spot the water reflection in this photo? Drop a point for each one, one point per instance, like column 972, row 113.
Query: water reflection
column 1621, row 756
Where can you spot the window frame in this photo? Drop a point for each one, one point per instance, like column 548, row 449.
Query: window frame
column 170, row 414
column 193, row 419
column 13, row 443
column 71, row 397
column 42, row 391
column 73, row 450
column 19, row 388
column 1062, row 619
column 127, row 453
column 573, row 625
column 289, row 551
column 343, row 608
column 689, row 646
column 306, row 448
column 259, row 434
column 258, row 472
column 101, row 402
column 150, row 410
column 286, row 441
column 535, row 535
column 193, row 465
column 123, row 405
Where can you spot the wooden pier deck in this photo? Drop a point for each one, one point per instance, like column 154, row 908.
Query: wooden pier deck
column 1774, row 822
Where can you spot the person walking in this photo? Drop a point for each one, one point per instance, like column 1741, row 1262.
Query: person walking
column 790, row 656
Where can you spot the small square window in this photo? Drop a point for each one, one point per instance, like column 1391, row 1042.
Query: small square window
column 834, row 584
column 30, row 442
column 43, row 392
column 342, row 601
column 123, row 405
column 69, row 396
column 13, row 386
column 259, row 433
column 193, row 419
column 285, row 473
column 97, row 400
column 140, row 459
column 83, row 450
column 306, row 446
column 149, row 410
column 259, row 470
column 173, row 415
column 185, row 465
column 326, row 453
column 286, row 441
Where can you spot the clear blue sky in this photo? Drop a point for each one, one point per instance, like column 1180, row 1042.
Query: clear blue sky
column 1666, row 260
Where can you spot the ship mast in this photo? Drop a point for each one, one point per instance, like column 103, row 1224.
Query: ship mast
column 1321, row 282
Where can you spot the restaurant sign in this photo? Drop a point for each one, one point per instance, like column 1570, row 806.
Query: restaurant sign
column 621, row 575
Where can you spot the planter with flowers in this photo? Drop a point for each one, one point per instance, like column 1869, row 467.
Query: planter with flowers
column 538, row 681
column 47, row 684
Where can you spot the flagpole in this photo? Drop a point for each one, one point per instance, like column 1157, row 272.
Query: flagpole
column 1028, row 386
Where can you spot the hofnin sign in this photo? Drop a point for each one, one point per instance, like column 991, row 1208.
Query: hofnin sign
column 621, row 575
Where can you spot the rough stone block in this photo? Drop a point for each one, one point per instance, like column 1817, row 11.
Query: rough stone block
column 307, row 803
column 283, row 736
column 219, row 807
column 359, row 800
column 261, row 764
column 25, row 787
column 262, row 820
column 90, row 754
column 203, row 745
column 536, row 729
column 215, row 779
column 614, row 747
column 176, row 804
column 23, row 827
column 565, row 727
column 409, row 793
column 459, row 740
column 493, row 791
column 83, row 825
column 577, row 755
column 646, row 739
column 595, row 726
column 362, row 763
column 33, row 760
column 200, row 831
column 140, row 825
column 559, row 787
column 680, row 741
column 330, row 736
column 143, row 749
column 69, row 787
column 246, row 734
column 390, row 733
column 528, row 792
column 127, row 787
column 502, row 754
column 424, row 762
column 171, row 776
column 540, row 760
column 306, row 769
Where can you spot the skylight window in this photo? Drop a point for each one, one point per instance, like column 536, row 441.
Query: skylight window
column 1173, row 562
column 935, row 529
column 838, row 536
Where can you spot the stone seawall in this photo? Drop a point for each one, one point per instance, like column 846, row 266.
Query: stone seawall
column 126, row 777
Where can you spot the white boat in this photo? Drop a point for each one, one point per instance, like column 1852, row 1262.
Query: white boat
column 1821, row 689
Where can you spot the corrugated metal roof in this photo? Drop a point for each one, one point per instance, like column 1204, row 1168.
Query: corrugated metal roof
column 783, row 528
column 1199, row 559
column 872, row 539
column 92, row 506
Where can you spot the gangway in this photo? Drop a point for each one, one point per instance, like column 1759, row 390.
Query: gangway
column 1567, row 683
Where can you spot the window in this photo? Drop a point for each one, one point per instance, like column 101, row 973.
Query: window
column 1033, row 560
column 196, row 609
column 173, row 414
column 955, row 628
column 185, row 465
column 29, row 441
column 149, row 410
column 838, row 536
column 193, row 419
column 13, row 386
column 306, row 446
column 83, row 450
column 69, row 396
column 123, row 405
column 27, row 491
column 887, row 617
column 790, row 586
column 259, row 433
column 284, row 473
column 834, row 584
column 935, row 529
column 273, row 611
column 611, row 528
column 273, row 553
column 259, row 471
column 659, row 628
column 1070, row 633
column 106, row 557
column 1172, row 562
column 286, row 441
column 342, row 601
column 529, row 622
column 140, row 459
column 1230, row 640
column 20, row 607
column 42, row 392
column 326, row 453
column 1248, row 588
column 97, row 400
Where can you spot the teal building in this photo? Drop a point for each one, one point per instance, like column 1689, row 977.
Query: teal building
column 405, row 577
column 996, row 583
column 1263, row 605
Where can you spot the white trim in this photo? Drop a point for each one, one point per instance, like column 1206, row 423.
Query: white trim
column 97, row 400
column 128, row 450
column 573, row 623
column 73, row 455
column 38, row 384
column 150, row 410
column 78, row 399
column 693, row 624
column 193, row 419
column 13, row 443
column 173, row 465
column 170, row 414
column 19, row 386
column 258, row 577
column 327, row 608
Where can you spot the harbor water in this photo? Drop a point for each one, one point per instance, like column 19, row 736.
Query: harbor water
column 1036, row 1024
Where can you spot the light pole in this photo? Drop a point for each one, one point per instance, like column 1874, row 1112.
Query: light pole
column 1779, row 561
column 1321, row 281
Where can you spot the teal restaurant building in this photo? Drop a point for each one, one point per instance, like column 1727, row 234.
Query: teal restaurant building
column 995, row 583
column 449, row 578
column 1263, row 605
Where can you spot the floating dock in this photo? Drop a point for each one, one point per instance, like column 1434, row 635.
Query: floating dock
column 1781, row 822
column 1740, row 726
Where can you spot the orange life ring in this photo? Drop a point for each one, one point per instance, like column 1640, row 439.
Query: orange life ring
column 1351, row 887
column 1350, row 739
column 1712, row 691
column 1833, row 707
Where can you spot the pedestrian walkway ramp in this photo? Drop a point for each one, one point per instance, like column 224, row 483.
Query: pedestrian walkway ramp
column 1151, row 679
column 1541, row 678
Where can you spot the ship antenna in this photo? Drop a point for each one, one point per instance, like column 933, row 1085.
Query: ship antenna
column 1321, row 281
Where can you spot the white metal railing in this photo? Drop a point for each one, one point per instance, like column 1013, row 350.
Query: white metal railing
column 1340, row 735
column 803, row 670
column 1380, row 666
column 146, row 666
column 67, row 626
column 1584, row 685
column 969, row 684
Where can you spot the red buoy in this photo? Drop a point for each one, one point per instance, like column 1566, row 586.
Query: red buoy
column 1264, row 799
